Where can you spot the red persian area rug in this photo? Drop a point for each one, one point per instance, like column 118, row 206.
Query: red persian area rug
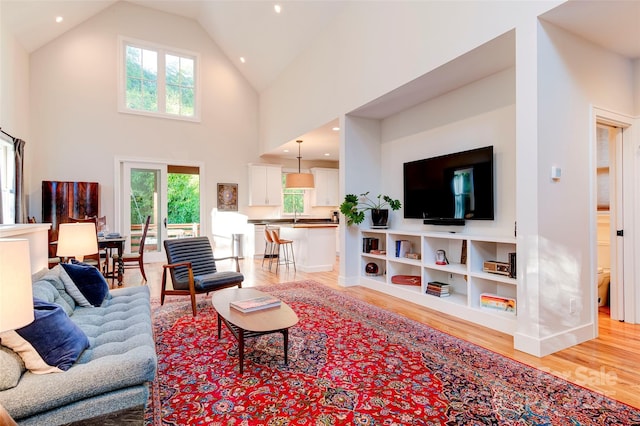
column 351, row 363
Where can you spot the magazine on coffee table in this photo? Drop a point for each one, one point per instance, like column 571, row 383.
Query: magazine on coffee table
column 255, row 303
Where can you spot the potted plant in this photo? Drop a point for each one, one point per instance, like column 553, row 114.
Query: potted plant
column 354, row 208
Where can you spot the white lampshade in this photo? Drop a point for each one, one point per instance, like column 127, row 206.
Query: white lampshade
column 77, row 240
column 16, row 296
column 299, row 180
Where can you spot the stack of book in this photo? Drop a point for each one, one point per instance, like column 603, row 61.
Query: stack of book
column 436, row 288
column 255, row 304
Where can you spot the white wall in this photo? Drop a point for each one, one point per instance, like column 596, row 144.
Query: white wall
column 479, row 114
column 77, row 131
column 14, row 86
column 354, row 61
column 573, row 75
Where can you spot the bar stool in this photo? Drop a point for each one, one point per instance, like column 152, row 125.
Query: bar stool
column 287, row 246
column 269, row 247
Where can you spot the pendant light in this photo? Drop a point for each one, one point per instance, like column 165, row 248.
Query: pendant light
column 299, row 180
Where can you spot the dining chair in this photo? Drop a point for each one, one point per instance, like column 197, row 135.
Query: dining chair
column 134, row 260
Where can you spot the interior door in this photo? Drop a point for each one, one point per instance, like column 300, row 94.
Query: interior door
column 144, row 192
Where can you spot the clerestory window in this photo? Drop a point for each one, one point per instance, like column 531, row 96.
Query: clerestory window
column 159, row 81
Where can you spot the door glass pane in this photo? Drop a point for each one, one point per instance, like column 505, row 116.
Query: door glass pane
column 183, row 194
column 145, row 187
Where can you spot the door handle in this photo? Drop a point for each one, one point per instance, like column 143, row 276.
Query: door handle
column 165, row 223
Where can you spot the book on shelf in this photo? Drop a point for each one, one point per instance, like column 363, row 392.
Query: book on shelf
column 381, row 252
column 512, row 265
column 437, row 288
column 402, row 248
column 369, row 244
column 255, row 303
column 434, row 293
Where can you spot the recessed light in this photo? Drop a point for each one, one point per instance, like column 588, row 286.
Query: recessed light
column 285, row 150
column 335, row 129
column 326, row 154
column 242, row 59
column 277, row 8
column 59, row 19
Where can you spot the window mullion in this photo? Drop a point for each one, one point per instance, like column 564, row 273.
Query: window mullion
column 162, row 81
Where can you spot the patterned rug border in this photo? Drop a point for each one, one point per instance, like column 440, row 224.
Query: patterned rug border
column 351, row 303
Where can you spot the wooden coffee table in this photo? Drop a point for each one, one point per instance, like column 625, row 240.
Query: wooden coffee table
column 256, row 323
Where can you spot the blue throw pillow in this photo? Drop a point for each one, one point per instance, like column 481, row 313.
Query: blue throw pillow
column 51, row 343
column 89, row 281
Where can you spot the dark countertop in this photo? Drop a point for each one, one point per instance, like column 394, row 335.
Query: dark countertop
column 290, row 220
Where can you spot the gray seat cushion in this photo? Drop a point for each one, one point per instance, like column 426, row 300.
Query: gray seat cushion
column 216, row 280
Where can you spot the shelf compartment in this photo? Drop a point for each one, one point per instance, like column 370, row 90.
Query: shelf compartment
column 401, row 268
column 481, row 251
column 457, row 282
column 414, row 242
column 451, row 246
column 380, row 245
column 380, row 262
column 490, row 286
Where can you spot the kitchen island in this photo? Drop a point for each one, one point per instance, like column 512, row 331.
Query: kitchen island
column 314, row 245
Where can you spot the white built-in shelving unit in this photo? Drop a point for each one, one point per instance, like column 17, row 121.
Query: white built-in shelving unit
column 465, row 276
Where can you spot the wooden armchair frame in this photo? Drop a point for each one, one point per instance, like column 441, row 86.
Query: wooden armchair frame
column 197, row 275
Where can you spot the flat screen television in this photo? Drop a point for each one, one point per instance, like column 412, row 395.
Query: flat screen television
column 449, row 189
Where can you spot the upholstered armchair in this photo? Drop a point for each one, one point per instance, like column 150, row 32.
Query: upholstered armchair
column 193, row 269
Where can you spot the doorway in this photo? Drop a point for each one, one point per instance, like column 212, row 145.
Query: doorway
column 615, row 170
column 169, row 193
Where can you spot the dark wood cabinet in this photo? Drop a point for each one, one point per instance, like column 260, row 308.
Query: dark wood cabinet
column 61, row 200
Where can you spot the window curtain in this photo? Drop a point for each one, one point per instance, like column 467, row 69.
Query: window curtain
column 21, row 205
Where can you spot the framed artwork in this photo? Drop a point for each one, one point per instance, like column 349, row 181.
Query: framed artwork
column 228, row 197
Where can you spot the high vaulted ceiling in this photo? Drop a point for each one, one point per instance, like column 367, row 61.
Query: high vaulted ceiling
column 268, row 41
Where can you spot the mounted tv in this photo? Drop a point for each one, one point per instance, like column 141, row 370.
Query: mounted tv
column 449, row 189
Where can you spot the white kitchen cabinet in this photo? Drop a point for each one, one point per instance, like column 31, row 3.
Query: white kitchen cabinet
column 326, row 190
column 265, row 185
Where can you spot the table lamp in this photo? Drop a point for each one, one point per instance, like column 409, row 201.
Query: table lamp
column 16, row 295
column 77, row 240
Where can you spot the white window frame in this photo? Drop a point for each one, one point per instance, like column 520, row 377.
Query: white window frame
column 162, row 51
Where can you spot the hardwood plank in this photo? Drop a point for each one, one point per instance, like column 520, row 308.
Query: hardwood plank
column 609, row 364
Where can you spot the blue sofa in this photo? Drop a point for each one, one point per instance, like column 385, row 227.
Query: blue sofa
column 110, row 377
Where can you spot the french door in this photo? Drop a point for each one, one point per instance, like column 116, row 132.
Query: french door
column 170, row 193
column 144, row 193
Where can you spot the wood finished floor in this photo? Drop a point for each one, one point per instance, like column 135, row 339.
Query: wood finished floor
column 609, row 364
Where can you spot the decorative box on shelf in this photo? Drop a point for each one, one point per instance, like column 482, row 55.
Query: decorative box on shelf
column 407, row 280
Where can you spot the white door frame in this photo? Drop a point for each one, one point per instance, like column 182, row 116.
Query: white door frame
column 623, row 250
column 117, row 188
